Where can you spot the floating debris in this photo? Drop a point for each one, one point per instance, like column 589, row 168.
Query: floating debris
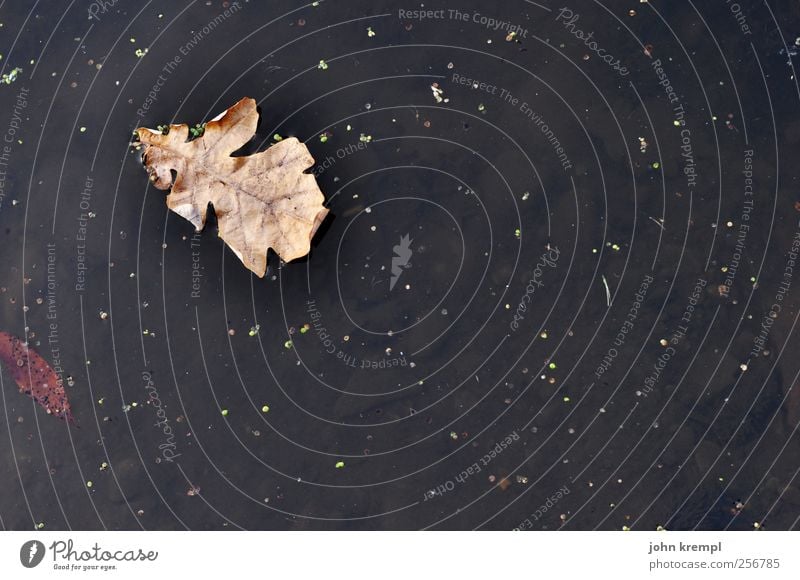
column 197, row 130
column 34, row 376
column 437, row 93
column 322, row 65
column 608, row 292
column 11, row 76
column 659, row 222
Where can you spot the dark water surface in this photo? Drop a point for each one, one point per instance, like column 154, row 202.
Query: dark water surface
column 565, row 296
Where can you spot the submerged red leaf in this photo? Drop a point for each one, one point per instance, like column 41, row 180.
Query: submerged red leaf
column 34, row 376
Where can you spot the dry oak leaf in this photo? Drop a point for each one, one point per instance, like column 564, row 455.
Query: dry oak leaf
column 261, row 201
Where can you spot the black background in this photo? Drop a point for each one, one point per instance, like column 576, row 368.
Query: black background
column 460, row 178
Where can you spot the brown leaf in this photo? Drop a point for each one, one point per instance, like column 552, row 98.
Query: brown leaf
column 34, row 376
column 261, row 201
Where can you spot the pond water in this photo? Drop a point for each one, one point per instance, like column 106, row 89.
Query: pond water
column 556, row 288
